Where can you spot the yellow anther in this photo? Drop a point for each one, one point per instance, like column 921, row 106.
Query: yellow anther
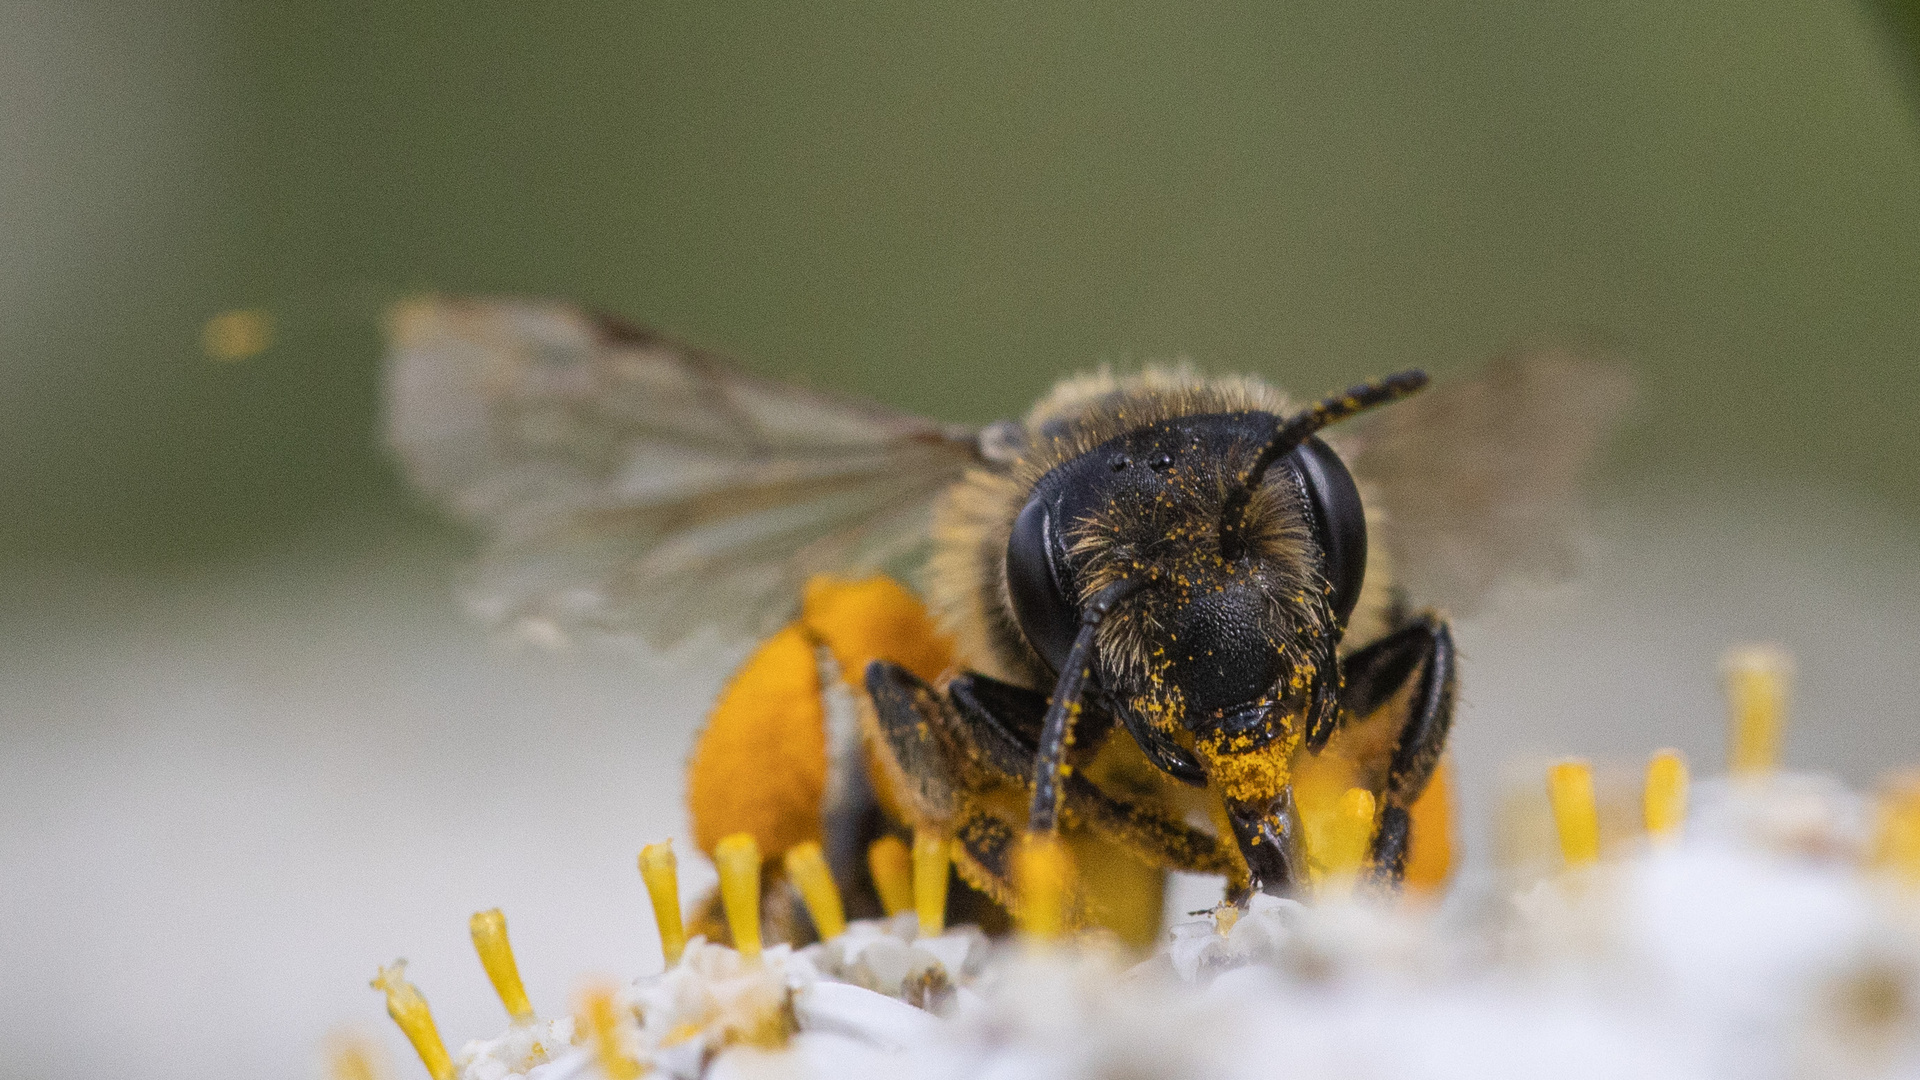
column 496, row 955
column 1757, row 679
column 1570, row 790
column 1043, row 881
column 659, row 870
column 892, row 868
column 1665, row 800
column 1348, row 835
column 738, row 859
column 1225, row 917
column 409, row 1010
column 1897, row 834
column 932, row 852
column 807, row 868
column 601, row 1018
column 237, row 335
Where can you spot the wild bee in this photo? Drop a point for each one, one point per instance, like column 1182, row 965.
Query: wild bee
column 1150, row 605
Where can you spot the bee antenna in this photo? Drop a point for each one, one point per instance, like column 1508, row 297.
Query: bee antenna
column 1297, row 429
column 1056, row 729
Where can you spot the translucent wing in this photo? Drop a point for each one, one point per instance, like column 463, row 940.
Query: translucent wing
column 1477, row 478
column 630, row 484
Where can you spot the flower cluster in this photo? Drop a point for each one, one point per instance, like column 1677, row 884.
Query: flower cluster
column 1763, row 925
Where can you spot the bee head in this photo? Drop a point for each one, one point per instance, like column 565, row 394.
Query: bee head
column 1245, row 542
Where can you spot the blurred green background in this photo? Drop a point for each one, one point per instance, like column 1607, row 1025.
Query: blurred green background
column 943, row 207
column 250, row 747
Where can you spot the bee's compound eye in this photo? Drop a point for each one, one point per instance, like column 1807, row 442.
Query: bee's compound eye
column 1035, row 572
column 1339, row 521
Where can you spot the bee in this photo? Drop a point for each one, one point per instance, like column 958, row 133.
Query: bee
column 1137, row 617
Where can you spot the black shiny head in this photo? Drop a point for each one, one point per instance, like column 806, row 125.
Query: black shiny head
column 1194, row 572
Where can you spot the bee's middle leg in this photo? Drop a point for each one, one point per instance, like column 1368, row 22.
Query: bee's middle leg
column 1407, row 678
column 936, row 775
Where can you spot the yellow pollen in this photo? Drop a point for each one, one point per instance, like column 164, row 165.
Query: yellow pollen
column 1896, row 846
column 409, row 1010
column 1665, row 801
column 1430, row 845
column 660, row 871
column 1225, row 917
column 738, row 859
column 892, row 869
column 681, row 1032
column 1756, row 677
column 351, row 1059
column 1570, row 790
column 489, row 930
column 237, row 335
column 1042, row 879
column 1349, row 832
column 807, row 868
column 601, row 1019
column 932, row 851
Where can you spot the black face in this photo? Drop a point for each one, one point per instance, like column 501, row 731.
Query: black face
column 1159, row 479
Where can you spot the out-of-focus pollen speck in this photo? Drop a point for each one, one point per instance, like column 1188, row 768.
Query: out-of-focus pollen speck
column 237, row 335
column 353, row 1057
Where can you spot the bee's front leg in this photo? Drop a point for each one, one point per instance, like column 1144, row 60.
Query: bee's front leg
column 1269, row 836
column 1404, row 683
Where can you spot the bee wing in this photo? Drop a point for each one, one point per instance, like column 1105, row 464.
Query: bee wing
column 629, row 484
column 1477, row 478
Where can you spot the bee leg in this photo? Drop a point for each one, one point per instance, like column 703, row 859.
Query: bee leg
column 916, row 735
column 983, row 856
column 984, row 733
column 913, row 719
column 1410, row 672
column 1269, row 835
column 1001, row 723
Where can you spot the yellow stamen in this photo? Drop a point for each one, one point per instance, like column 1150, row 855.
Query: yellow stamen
column 350, row 1058
column 738, row 859
column 659, row 870
column 807, row 868
column 1665, row 801
column 489, row 930
column 931, row 854
column 1757, row 678
column 1896, row 844
column 237, row 335
column 601, row 1019
column 1570, row 790
column 1348, row 835
column 892, row 869
column 1042, row 879
column 409, row 1010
